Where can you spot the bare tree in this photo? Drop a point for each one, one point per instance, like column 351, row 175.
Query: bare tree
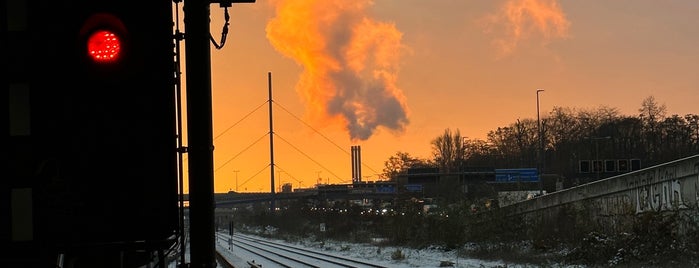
column 449, row 151
column 399, row 164
column 651, row 114
column 479, row 153
column 651, row 111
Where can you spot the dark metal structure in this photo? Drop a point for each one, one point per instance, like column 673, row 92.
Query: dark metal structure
column 200, row 128
column 199, row 131
column 91, row 177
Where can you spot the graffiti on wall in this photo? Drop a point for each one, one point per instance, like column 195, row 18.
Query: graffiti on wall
column 615, row 205
column 659, row 193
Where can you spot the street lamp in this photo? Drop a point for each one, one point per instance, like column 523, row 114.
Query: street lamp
column 541, row 142
column 236, row 180
column 279, row 180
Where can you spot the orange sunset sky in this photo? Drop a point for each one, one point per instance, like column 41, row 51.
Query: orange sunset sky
column 391, row 75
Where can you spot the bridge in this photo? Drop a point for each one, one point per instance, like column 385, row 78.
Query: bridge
column 354, row 191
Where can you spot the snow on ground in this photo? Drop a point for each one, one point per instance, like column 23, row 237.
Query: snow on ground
column 384, row 255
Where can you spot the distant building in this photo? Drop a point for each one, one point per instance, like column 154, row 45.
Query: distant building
column 286, row 188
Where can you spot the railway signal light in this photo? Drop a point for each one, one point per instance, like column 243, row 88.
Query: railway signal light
column 104, row 46
column 98, row 152
column 103, row 39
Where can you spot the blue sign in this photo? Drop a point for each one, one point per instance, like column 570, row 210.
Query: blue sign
column 413, row 187
column 516, row 174
column 385, row 189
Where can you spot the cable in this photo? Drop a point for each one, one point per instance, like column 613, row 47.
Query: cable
column 309, row 126
column 296, row 148
column 246, row 148
column 224, row 31
column 287, row 173
column 253, row 176
column 314, row 161
column 236, row 123
column 321, row 134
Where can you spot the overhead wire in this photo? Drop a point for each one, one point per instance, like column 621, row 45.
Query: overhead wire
column 321, row 134
column 309, row 126
column 291, row 175
column 241, row 120
column 306, row 155
column 254, row 175
column 286, row 141
column 239, row 153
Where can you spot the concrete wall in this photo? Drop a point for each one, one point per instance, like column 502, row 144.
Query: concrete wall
column 613, row 202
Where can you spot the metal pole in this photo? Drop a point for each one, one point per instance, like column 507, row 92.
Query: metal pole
column 271, row 142
column 236, row 180
column 199, row 129
column 353, row 158
column 359, row 163
column 180, row 150
column 541, row 144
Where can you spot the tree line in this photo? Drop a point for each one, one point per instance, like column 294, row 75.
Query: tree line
column 560, row 140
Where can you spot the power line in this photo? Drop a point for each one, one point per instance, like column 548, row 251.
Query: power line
column 286, row 141
column 321, row 134
column 290, row 175
column 236, row 123
column 255, row 175
column 239, row 153
column 314, row 161
column 309, row 126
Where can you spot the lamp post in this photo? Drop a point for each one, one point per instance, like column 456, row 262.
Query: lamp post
column 279, row 180
column 541, row 143
column 236, row 180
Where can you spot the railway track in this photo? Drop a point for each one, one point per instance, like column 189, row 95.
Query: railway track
column 270, row 254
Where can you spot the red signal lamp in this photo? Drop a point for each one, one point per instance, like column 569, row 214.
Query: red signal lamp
column 104, row 38
column 103, row 46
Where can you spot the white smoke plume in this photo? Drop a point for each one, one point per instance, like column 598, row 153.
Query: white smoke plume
column 350, row 63
column 518, row 20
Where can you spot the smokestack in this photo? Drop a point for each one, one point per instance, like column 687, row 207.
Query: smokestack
column 356, row 164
